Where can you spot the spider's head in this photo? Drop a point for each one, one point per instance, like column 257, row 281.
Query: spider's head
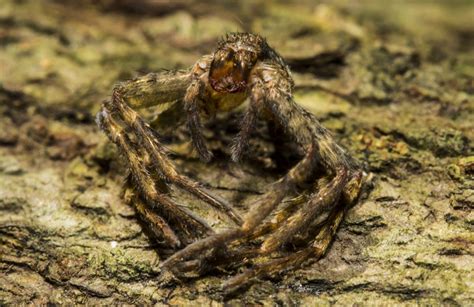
column 230, row 69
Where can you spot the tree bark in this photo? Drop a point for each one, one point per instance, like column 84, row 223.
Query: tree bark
column 393, row 81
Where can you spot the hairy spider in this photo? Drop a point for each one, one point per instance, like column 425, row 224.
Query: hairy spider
column 243, row 67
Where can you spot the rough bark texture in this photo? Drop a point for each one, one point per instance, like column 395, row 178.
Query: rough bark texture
column 392, row 79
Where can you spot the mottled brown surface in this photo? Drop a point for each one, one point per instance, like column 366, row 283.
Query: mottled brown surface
column 393, row 80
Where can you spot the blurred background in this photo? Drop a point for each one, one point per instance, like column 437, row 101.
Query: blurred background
column 392, row 79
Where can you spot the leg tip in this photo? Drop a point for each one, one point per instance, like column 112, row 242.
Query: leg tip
column 206, row 156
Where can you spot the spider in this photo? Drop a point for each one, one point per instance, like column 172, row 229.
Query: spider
column 243, row 67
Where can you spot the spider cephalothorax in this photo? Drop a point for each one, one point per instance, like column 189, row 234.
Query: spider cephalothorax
column 243, row 67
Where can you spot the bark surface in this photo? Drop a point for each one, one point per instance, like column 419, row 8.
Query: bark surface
column 392, row 79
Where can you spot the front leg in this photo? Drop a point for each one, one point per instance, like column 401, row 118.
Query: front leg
column 151, row 194
column 192, row 99
column 247, row 124
column 140, row 145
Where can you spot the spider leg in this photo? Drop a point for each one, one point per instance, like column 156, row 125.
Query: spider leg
column 263, row 206
column 191, row 106
column 247, row 125
column 145, row 182
column 146, row 137
column 314, row 252
column 281, row 215
column 158, row 225
column 218, row 259
column 319, row 203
